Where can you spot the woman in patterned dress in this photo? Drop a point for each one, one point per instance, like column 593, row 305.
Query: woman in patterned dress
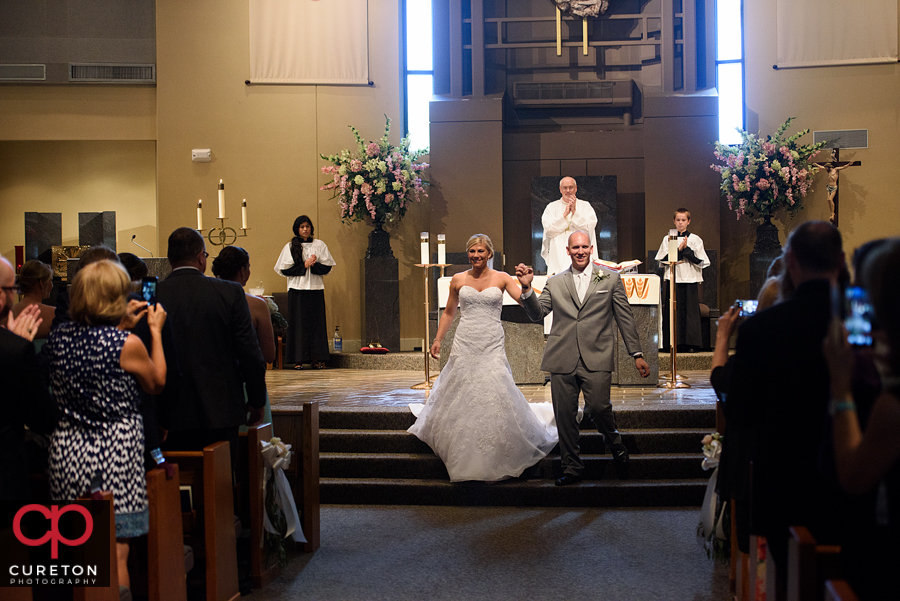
column 96, row 367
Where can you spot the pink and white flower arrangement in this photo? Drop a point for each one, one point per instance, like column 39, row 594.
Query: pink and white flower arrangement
column 378, row 181
column 761, row 177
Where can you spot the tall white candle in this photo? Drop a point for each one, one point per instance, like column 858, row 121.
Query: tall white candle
column 221, row 200
column 425, row 249
column 200, row 214
column 673, row 245
column 442, row 249
column 244, row 214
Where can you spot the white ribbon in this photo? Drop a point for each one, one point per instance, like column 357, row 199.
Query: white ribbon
column 277, row 458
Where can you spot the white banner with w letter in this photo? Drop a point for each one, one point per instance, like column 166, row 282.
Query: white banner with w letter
column 309, row 42
column 814, row 33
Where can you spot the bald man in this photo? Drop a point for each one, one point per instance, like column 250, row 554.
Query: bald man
column 561, row 218
column 25, row 398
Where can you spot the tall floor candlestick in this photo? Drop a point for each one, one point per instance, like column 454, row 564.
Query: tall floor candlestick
column 426, row 348
column 673, row 380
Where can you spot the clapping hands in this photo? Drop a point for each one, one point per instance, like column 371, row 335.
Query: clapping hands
column 26, row 324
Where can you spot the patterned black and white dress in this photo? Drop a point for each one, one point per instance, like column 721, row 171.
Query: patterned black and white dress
column 101, row 432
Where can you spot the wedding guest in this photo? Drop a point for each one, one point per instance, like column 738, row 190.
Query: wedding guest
column 869, row 461
column 25, row 398
column 95, row 371
column 36, row 283
column 303, row 261
column 233, row 264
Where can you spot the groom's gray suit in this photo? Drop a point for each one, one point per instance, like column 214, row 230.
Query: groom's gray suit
column 580, row 354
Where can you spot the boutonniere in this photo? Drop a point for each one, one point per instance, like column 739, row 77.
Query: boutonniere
column 599, row 276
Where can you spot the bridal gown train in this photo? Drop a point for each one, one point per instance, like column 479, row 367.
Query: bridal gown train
column 475, row 419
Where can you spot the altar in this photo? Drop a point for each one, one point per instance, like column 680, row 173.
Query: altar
column 525, row 339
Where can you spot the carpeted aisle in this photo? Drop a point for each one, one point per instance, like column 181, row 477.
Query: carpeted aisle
column 432, row 552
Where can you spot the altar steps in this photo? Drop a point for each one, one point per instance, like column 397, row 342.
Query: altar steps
column 367, row 457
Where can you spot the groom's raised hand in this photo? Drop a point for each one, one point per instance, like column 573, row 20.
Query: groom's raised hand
column 525, row 275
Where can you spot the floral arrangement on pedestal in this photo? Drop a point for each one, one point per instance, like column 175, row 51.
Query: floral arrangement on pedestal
column 763, row 176
column 377, row 180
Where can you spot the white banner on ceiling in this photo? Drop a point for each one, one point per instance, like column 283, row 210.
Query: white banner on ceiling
column 815, row 33
column 309, row 42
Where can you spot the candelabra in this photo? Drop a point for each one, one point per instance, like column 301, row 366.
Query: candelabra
column 224, row 235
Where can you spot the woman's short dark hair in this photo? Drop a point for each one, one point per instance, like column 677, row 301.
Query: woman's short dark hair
column 229, row 262
column 300, row 221
column 135, row 265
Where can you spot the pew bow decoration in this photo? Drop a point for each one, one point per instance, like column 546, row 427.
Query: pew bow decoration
column 276, row 459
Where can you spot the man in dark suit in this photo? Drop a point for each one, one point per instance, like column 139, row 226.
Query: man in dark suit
column 778, row 392
column 581, row 348
column 25, row 397
column 217, row 349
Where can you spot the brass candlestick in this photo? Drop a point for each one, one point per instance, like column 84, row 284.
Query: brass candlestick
column 224, row 235
column 674, row 379
column 426, row 348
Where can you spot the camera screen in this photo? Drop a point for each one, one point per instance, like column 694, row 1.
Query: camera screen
column 149, row 291
column 748, row 307
column 858, row 317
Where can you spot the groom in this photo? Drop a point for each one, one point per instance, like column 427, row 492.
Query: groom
column 581, row 347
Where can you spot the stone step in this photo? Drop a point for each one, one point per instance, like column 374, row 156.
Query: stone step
column 515, row 492
column 430, row 467
column 401, row 418
column 685, row 440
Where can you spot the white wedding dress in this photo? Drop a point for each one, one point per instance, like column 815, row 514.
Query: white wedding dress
column 475, row 419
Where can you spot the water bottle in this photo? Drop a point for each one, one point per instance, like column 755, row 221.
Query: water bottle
column 338, row 343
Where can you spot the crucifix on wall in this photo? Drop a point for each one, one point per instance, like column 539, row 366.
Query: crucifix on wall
column 833, row 169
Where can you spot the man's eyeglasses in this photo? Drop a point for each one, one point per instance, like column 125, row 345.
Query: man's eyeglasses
column 205, row 254
column 13, row 289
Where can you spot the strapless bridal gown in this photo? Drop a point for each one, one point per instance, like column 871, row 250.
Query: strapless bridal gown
column 475, row 419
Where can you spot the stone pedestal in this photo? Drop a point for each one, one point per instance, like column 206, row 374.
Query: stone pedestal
column 646, row 318
column 97, row 228
column 43, row 231
column 765, row 250
column 382, row 302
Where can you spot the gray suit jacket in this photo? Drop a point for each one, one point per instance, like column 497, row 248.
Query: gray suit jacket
column 583, row 329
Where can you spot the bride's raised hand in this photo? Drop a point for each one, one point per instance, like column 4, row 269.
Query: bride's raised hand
column 525, row 275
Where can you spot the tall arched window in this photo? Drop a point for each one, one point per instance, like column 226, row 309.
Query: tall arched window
column 418, row 70
column 730, row 68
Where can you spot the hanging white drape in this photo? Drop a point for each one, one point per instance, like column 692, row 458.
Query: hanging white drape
column 309, row 41
column 835, row 32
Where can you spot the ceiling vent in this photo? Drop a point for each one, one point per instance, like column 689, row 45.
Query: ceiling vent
column 23, row 72
column 843, row 138
column 112, row 73
column 616, row 93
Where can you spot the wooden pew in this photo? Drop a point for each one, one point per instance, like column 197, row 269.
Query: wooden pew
column 839, row 590
column 252, row 501
column 111, row 592
column 166, row 577
column 209, row 528
column 300, row 429
column 809, row 565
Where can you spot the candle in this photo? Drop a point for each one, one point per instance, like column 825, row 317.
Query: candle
column 244, row 214
column 221, row 200
column 425, row 249
column 673, row 245
column 200, row 214
column 442, row 249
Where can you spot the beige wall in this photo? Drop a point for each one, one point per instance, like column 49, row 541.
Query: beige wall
column 265, row 143
column 826, row 98
column 69, row 177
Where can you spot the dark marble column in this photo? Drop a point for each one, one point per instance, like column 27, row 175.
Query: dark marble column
column 97, row 228
column 382, row 302
column 43, row 231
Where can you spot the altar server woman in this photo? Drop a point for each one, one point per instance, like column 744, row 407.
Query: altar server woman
column 304, row 261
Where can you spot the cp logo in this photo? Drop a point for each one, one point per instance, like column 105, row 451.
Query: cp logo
column 53, row 514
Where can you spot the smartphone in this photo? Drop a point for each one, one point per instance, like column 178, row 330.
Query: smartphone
column 747, row 307
column 148, row 289
column 858, row 316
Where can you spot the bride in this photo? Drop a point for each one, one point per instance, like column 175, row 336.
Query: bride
column 475, row 419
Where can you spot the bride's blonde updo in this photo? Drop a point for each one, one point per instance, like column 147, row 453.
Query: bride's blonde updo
column 482, row 239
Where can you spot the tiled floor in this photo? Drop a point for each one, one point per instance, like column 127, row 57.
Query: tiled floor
column 371, row 388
